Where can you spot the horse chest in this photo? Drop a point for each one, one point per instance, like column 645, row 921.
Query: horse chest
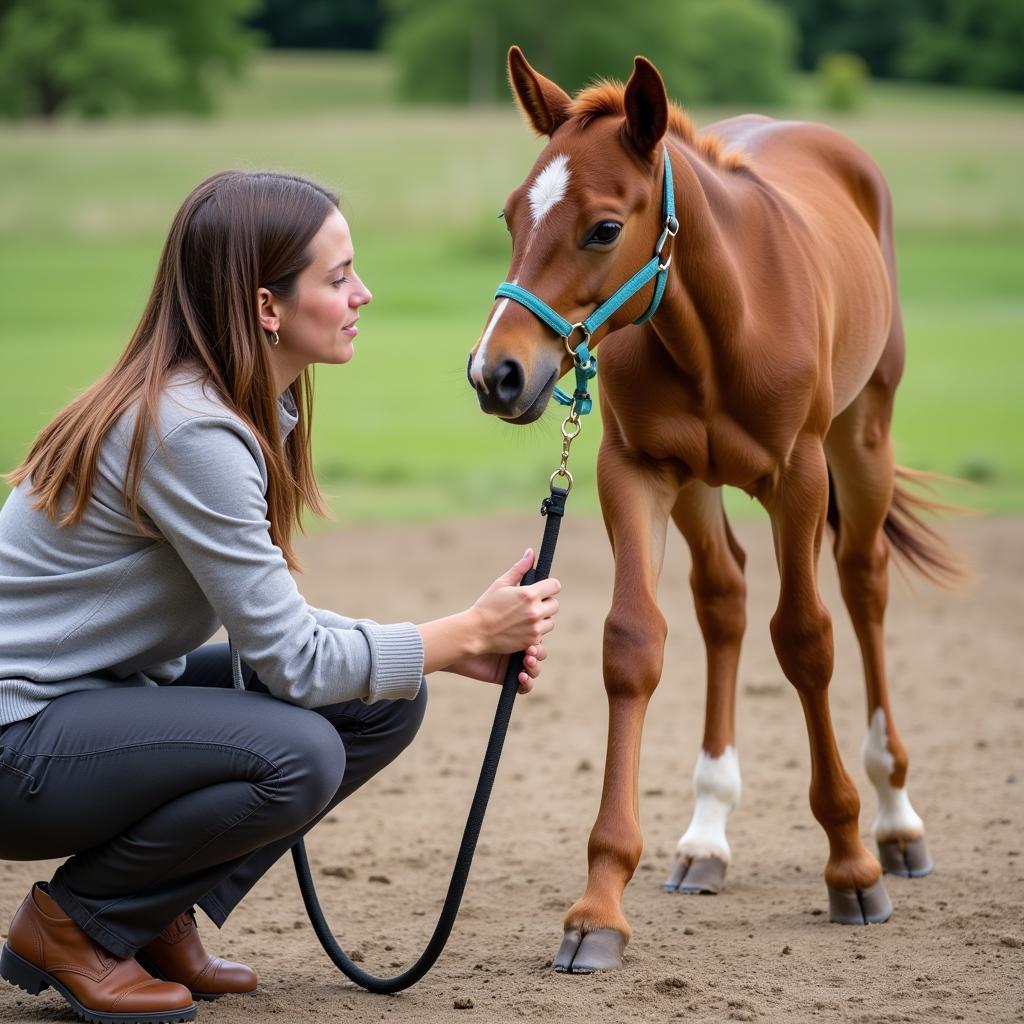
column 714, row 449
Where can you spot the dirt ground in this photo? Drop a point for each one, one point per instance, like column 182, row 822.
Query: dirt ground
column 761, row 951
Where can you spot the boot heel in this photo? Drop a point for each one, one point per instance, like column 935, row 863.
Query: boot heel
column 21, row 973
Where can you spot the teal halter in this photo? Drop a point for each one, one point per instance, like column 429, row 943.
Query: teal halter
column 585, row 363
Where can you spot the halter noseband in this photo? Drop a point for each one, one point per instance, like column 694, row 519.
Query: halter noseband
column 586, row 364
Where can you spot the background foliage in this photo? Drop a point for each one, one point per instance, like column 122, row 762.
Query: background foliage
column 972, row 42
column 322, row 24
column 966, row 42
column 708, row 50
column 98, row 57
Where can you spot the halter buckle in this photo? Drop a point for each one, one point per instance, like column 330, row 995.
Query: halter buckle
column 670, row 230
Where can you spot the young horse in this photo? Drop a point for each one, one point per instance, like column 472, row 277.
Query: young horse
column 770, row 365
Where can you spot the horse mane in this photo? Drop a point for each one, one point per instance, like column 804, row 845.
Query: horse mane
column 606, row 97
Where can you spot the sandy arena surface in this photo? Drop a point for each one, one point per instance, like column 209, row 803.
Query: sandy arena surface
column 761, row 951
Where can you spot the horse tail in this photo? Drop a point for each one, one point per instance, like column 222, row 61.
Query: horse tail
column 915, row 542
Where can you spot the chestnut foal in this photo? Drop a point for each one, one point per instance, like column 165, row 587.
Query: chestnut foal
column 770, row 364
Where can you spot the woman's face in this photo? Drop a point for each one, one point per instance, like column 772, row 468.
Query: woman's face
column 318, row 324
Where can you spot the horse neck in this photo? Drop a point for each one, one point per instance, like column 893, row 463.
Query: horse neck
column 703, row 310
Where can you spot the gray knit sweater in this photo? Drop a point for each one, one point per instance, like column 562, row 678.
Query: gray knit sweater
column 99, row 604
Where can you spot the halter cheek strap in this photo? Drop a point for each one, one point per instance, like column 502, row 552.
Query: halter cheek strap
column 656, row 267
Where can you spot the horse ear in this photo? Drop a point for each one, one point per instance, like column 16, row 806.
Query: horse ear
column 545, row 104
column 646, row 106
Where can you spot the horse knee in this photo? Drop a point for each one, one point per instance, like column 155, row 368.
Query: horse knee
column 634, row 652
column 803, row 645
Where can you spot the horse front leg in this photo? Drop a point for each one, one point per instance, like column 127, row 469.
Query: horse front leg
column 636, row 502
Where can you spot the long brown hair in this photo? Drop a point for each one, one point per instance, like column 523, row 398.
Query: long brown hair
column 236, row 232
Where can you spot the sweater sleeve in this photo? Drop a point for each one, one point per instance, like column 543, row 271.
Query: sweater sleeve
column 204, row 489
column 328, row 618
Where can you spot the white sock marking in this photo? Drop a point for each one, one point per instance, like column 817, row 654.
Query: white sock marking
column 896, row 819
column 549, row 187
column 717, row 786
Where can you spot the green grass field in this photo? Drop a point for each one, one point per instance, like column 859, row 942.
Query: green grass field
column 84, row 208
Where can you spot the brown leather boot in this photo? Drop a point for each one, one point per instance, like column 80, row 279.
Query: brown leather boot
column 45, row 947
column 177, row 954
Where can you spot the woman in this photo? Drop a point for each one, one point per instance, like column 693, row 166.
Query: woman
column 159, row 505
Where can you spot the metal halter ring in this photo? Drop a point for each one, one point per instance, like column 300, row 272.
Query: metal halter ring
column 561, row 472
column 572, row 331
column 571, row 435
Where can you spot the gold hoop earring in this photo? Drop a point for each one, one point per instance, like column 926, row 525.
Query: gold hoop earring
column 274, row 339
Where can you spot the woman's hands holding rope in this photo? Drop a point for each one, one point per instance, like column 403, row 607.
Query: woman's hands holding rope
column 505, row 619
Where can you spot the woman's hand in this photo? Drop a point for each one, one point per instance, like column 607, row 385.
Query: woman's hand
column 491, row 668
column 506, row 618
column 511, row 617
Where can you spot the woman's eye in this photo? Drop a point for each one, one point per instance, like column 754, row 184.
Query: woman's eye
column 341, row 280
column 605, row 233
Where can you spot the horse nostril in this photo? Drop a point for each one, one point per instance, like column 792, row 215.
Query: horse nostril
column 469, row 371
column 508, row 381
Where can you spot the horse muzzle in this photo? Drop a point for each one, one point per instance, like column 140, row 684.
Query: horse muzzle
column 505, row 392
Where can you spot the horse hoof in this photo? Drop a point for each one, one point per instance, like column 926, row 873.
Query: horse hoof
column 599, row 950
column 859, row 906
column 908, row 858
column 704, row 876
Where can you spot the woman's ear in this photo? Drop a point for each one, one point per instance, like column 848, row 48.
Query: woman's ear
column 269, row 307
column 545, row 104
column 646, row 107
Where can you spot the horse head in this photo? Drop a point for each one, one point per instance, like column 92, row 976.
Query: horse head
column 586, row 217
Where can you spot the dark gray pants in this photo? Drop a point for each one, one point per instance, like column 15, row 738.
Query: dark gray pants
column 164, row 797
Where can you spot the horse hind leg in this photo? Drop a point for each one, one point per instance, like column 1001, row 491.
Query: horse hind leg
column 801, row 631
column 702, row 855
column 859, row 452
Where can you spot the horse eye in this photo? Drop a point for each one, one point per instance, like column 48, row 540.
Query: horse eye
column 605, row 233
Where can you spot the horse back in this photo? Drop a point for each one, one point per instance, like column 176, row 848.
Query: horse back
column 840, row 198
column 790, row 154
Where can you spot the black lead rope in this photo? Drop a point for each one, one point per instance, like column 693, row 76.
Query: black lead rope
column 553, row 508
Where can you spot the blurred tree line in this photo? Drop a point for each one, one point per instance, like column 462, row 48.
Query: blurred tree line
column 95, row 57
column 707, row 50
column 453, row 50
column 963, row 42
column 323, row 24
